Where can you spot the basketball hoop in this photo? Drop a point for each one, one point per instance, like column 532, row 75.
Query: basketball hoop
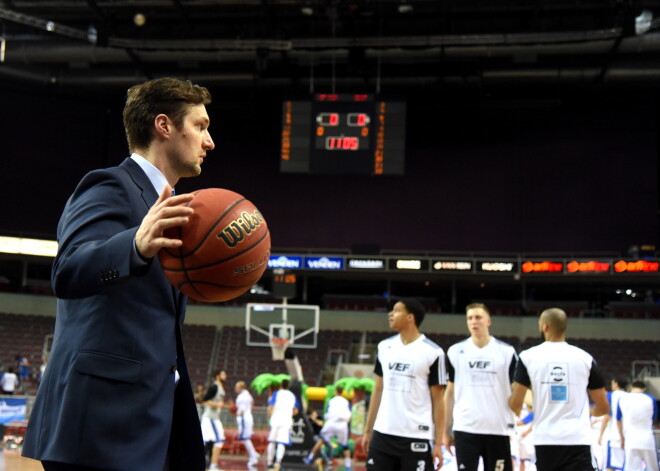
column 278, row 346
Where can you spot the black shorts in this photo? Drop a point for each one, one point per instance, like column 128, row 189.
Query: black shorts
column 494, row 449
column 564, row 458
column 392, row 453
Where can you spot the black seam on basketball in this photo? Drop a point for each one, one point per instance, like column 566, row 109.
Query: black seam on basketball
column 185, row 268
column 213, row 227
column 185, row 271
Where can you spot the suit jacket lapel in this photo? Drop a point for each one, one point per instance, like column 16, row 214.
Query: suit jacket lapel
column 149, row 196
column 140, row 178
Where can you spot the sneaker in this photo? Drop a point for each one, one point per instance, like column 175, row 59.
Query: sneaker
column 308, row 460
column 213, row 467
column 253, row 460
column 276, row 467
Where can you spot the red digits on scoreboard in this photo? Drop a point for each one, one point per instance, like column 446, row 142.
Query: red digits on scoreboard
column 342, row 143
column 333, row 119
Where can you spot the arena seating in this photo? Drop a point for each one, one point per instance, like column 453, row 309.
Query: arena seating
column 24, row 335
column 348, row 302
column 625, row 310
column 198, row 342
column 208, row 348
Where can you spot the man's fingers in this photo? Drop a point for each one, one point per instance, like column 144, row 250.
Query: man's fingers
column 165, row 243
column 180, row 199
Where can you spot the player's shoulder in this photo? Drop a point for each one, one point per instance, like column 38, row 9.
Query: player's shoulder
column 428, row 343
column 649, row 397
column 579, row 353
column 532, row 352
column 501, row 344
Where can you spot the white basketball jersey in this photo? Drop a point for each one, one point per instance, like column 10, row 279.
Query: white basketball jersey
column 244, row 402
column 637, row 411
column 339, row 410
column 408, row 371
column 283, row 402
column 559, row 375
column 482, row 380
column 611, row 431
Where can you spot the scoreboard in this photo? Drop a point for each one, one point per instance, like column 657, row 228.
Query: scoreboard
column 357, row 134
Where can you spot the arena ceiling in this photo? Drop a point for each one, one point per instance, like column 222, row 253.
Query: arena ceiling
column 311, row 44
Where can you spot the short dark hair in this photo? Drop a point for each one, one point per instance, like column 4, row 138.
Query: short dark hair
column 285, row 384
column 621, row 381
column 145, row 101
column 216, row 373
column 415, row 308
column 639, row 384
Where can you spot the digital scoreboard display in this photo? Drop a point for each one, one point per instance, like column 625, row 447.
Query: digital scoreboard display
column 357, row 134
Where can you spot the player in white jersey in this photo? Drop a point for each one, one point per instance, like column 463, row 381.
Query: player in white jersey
column 563, row 378
column 282, row 406
column 245, row 421
column 337, row 417
column 406, row 414
column 636, row 413
column 212, row 430
column 614, row 454
column 480, row 372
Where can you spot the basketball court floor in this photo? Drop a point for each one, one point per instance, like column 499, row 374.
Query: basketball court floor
column 11, row 460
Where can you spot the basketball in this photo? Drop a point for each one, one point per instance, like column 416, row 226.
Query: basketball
column 226, row 246
column 233, row 408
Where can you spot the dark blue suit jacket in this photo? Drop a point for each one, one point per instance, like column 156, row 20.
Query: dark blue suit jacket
column 108, row 397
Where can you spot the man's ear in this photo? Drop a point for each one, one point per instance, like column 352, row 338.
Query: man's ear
column 162, row 126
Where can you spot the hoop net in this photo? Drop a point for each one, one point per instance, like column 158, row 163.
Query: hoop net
column 278, row 346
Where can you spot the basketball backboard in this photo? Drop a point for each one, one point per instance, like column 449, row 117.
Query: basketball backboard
column 299, row 323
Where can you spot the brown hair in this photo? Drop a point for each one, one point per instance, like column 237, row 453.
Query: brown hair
column 145, row 101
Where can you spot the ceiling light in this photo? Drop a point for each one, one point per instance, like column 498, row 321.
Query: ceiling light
column 139, row 19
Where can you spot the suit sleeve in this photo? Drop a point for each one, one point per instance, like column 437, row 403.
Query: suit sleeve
column 95, row 237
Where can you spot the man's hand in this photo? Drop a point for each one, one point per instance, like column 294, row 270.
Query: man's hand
column 448, row 441
column 437, row 456
column 366, row 440
column 168, row 211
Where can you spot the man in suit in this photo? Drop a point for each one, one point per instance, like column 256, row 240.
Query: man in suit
column 116, row 393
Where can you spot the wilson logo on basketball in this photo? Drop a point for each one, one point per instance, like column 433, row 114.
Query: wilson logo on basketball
column 238, row 229
column 252, row 266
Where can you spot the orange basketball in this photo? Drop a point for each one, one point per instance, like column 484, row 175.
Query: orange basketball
column 226, row 246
